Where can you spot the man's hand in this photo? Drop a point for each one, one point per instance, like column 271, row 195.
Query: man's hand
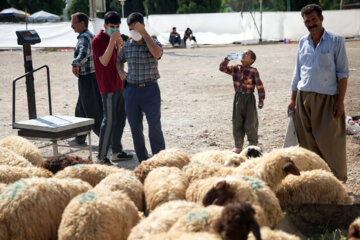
column 140, row 28
column 338, row 109
column 122, row 74
column 75, row 71
column 115, row 36
column 291, row 107
column 261, row 104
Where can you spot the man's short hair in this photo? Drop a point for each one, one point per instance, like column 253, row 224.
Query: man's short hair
column 253, row 55
column 81, row 17
column 174, row 28
column 311, row 8
column 112, row 17
column 135, row 17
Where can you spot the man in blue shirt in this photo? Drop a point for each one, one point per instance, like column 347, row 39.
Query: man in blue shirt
column 318, row 91
column 142, row 92
column 89, row 104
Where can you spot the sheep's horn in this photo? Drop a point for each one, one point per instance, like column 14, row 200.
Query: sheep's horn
column 290, row 168
column 213, row 196
column 254, row 227
column 354, row 233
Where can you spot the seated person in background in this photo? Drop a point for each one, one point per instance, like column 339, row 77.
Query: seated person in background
column 124, row 37
column 189, row 35
column 174, row 37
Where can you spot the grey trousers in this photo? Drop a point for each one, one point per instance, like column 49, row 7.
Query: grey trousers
column 245, row 119
column 319, row 131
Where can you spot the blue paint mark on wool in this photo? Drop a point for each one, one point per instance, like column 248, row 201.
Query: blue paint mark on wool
column 128, row 176
column 198, row 216
column 78, row 166
column 254, row 182
column 192, row 164
column 88, row 197
column 12, row 190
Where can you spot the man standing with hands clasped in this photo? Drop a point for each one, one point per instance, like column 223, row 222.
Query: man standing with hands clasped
column 318, row 91
column 89, row 103
column 142, row 93
column 106, row 46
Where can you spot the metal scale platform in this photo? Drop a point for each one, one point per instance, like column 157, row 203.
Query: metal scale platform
column 53, row 128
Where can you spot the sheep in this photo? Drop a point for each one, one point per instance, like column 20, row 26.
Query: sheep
column 98, row 214
column 216, row 156
column 127, row 184
column 316, row 186
column 31, row 208
column 268, row 234
column 91, row 173
column 354, row 230
column 251, row 152
column 272, row 168
column 236, row 221
column 60, row 161
column 225, row 191
column 161, row 219
column 184, row 236
column 198, row 170
column 9, row 174
column 304, row 159
column 23, row 147
column 164, row 184
column 165, row 158
column 10, row 158
column 198, row 219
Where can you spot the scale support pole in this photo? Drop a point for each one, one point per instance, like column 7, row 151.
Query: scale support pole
column 30, row 90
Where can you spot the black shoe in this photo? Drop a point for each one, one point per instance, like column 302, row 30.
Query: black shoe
column 123, row 156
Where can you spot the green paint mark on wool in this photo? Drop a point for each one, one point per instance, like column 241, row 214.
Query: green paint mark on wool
column 253, row 182
column 78, row 166
column 198, row 216
column 128, row 176
column 192, row 164
column 12, row 190
column 88, row 197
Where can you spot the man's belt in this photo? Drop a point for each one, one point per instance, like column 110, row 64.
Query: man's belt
column 139, row 85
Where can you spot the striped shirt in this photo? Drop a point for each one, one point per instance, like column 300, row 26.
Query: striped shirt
column 142, row 66
column 82, row 53
column 244, row 78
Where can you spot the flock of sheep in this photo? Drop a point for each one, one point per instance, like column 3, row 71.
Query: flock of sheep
column 212, row 195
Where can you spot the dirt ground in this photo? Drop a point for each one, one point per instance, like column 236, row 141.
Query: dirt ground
column 196, row 97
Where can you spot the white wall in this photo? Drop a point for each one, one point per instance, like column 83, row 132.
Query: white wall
column 210, row 28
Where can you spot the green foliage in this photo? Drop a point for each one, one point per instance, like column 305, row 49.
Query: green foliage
column 338, row 234
column 31, row 6
column 129, row 7
column 79, row 6
column 201, row 6
column 160, row 6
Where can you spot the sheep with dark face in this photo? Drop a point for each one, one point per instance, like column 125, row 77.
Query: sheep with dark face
column 354, row 230
column 61, row 161
column 236, row 221
column 251, row 152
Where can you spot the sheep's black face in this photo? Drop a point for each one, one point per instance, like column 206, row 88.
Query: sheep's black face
column 253, row 153
column 218, row 195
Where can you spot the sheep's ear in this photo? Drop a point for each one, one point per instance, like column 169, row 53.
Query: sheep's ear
column 354, row 232
column 213, row 195
column 290, row 168
column 255, row 229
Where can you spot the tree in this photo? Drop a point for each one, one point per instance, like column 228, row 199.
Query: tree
column 79, row 6
column 129, row 7
column 31, row 6
column 160, row 6
column 201, row 6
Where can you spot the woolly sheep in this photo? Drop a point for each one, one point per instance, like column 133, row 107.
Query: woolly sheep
column 316, row 186
column 10, row 158
column 226, row 190
column 184, row 236
column 60, row 161
column 9, row 174
column 236, row 221
column 32, row 208
column 304, row 159
column 217, row 156
column 23, row 147
column 127, row 184
column 161, row 219
column 198, row 220
column 272, row 168
column 98, row 214
column 91, row 173
column 165, row 158
column 164, row 184
column 198, row 170
column 354, row 230
column 268, row 234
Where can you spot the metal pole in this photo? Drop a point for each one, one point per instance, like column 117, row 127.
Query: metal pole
column 122, row 10
column 30, row 89
column 260, row 40
column 92, row 8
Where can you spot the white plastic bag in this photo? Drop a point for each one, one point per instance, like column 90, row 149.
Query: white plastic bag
column 291, row 136
column 351, row 126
